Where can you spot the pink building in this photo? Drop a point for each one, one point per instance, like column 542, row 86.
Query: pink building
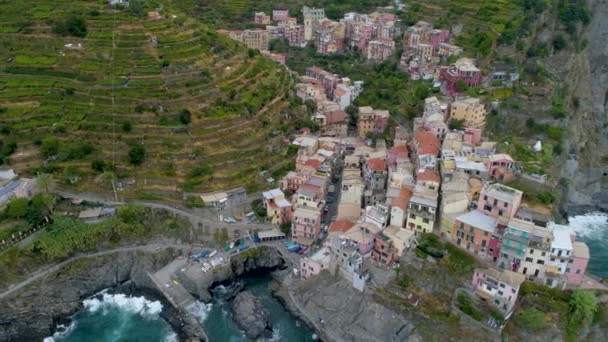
column 280, row 14
column 261, row 18
column 472, row 136
column 499, row 201
column 501, row 167
column 293, row 180
column 436, row 37
column 397, row 154
column 578, row 263
column 463, row 70
column 311, row 266
column 498, row 288
column 306, row 225
column 476, row 232
column 380, row 50
column 384, row 251
column 294, row 34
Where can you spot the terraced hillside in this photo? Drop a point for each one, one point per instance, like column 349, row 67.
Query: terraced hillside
column 238, row 13
column 202, row 106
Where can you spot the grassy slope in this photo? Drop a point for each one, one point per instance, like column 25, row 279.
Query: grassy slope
column 48, row 90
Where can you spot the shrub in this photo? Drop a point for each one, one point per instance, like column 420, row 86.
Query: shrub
column 465, row 304
column 461, row 86
column 98, row 165
column 185, row 117
column 581, row 309
column 73, row 26
column 17, row 208
column 531, row 319
column 49, row 147
column 559, row 42
column 137, row 154
column 126, row 127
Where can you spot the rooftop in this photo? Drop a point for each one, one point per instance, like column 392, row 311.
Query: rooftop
column 428, row 176
column 376, row 164
column 272, row 233
column 424, row 201
column 479, row 220
column 322, row 256
column 580, row 250
column 561, row 236
column 502, row 192
column 270, row 194
column 512, row 278
column 427, row 143
column 341, row 226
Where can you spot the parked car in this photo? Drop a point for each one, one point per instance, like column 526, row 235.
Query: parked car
column 303, row 251
column 243, row 248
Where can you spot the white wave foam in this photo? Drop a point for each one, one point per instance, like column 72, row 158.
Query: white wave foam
column 276, row 336
column 172, row 337
column 200, row 310
column 130, row 304
column 592, row 225
column 62, row 331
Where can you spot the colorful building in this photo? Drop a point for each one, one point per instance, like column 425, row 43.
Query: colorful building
column 306, row 225
column 499, row 201
column 578, row 263
column 498, row 288
column 463, row 70
column 313, row 265
column 278, row 209
column 476, row 232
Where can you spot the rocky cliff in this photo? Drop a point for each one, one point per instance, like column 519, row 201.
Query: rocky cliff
column 34, row 312
column 586, row 166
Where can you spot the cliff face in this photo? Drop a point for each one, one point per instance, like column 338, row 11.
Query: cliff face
column 586, row 74
column 32, row 313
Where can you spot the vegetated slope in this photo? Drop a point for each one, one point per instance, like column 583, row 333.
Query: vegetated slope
column 201, row 105
column 235, row 13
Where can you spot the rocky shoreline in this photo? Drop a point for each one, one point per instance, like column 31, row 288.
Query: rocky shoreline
column 36, row 311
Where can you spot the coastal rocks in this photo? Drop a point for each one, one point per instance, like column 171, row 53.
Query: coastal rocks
column 261, row 258
column 34, row 312
column 251, row 316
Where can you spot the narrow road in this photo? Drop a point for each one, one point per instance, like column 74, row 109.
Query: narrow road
column 44, row 272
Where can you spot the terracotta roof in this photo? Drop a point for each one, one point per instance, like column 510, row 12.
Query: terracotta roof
column 340, row 226
column 428, row 176
column 400, row 202
column 335, row 117
column 311, row 187
column 313, row 163
column 376, row 164
column 339, row 92
column 399, row 150
column 427, row 143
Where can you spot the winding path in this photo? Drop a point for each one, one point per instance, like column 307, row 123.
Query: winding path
column 44, row 272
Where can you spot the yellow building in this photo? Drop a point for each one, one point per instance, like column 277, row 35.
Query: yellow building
column 470, row 110
column 422, row 214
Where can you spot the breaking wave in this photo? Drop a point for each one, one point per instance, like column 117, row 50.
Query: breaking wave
column 592, row 226
column 200, row 310
column 130, row 304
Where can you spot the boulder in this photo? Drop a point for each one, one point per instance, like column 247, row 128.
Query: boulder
column 251, row 316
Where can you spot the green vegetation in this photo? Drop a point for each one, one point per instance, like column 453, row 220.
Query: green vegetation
column 464, row 303
column 74, row 26
column 531, row 319
column 68, row 107
column 65, row 236
column 137, row 154
column 581, row 309
column 453, row 258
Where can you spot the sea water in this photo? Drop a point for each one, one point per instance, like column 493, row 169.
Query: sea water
column 116, row 317
column 593, row 230
column 216, row 317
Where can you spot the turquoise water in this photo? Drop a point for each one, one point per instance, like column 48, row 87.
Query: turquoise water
column 593, row 230
column 117, row 318
column 220, row 326
column 121, row 318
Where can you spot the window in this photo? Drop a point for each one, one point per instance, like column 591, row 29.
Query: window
column 505, row 204
column 543, row 253
column 500, row 213
column 512, row 290
column 578, row 271
column 485, row 233
column 471, row 230
column 483, row 243
column 540, row 262
column 487, row 208
column 488, row 288
column 529, row 260
column 559, row 253
column 552, row 259
column 500, row 293
column 502, row 285
column 485, row 198
column 567, row 270
column 412, row 216
column 531, row 251
column 495, row 202
column 424, row 220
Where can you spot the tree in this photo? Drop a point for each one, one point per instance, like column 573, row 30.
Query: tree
column 73, row 26
column 98, row 165
column 45, row 182
column 185, row 117
column 126, row 126
column 353, row 115
column 49, row 147
column 17, row 208
column 286, row 228
column 136, row 7
column 457, row 124
column 559, row 42
column 137, row 154
column 461, row 86
column 40, row 208
column 581, row 309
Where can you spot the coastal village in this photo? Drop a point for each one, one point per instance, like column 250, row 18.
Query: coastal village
column 367, row 194
column 451, row 182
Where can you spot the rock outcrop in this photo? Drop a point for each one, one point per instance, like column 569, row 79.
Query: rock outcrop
column 251, row 316
column 35, row 311
column 585, row 170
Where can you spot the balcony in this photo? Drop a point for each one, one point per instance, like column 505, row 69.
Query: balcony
column 424, row 214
